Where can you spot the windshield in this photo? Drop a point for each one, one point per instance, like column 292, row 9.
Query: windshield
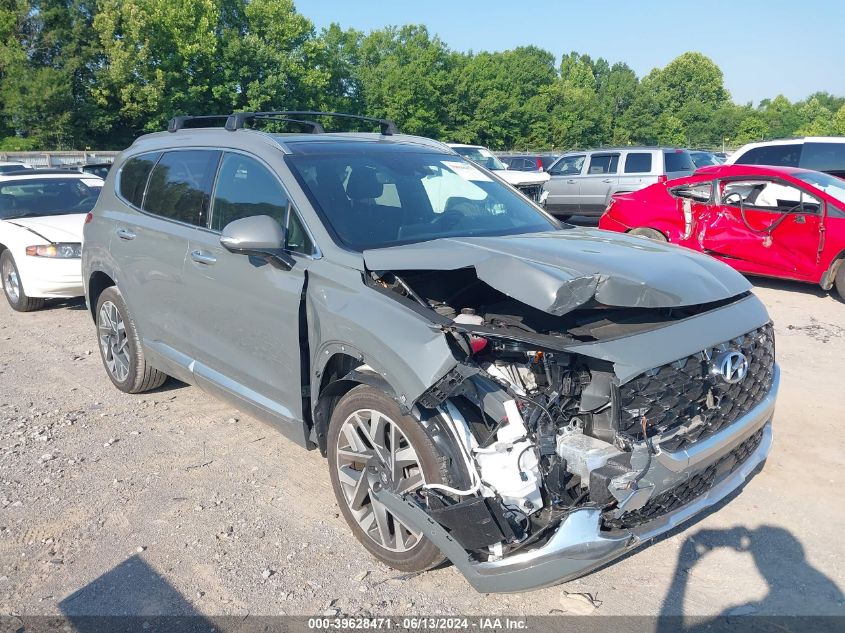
column 832, row 186
column 704, row 159
column 384, row 198
column 35, row 197
column 482, row 156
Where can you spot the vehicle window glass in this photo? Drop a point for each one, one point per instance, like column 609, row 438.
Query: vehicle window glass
column 297, row 239
column 439, row 195
column 768, row 195
column 638, row 163
column 826, row 157
column 180, row 186
column 830, row 185
column 482, row 156
column 700, row 192
column 780, row 155
column 678, row 160
column 38, row 197
column 134, row 175
column 704, row 159
column 569, row 166
column 245, row 188
column 603, row 164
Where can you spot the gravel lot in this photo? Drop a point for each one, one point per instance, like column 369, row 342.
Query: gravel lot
column 173, row 503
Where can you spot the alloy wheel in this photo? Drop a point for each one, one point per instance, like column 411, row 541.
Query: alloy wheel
column 113, row 341
column 11, row 282
column 372, row 448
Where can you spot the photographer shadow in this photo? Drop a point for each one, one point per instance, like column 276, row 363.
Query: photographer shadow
column 795, row 588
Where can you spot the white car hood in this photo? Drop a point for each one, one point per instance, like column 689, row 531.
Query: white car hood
column 54, row 228
column 516, row 177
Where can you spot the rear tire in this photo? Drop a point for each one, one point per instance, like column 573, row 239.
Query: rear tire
column 650, row 234
column 120, row 346
column 367, row 430
column 839, row 280
column 13, row 286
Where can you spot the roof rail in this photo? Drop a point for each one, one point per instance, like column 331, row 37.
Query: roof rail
column 237, row 120
column 179, row 122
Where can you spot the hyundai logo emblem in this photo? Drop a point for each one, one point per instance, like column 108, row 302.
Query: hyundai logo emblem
column 732, row 366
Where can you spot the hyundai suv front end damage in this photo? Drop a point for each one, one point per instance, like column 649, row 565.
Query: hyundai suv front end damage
column 527, row 398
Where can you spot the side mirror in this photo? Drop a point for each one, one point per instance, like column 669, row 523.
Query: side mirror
column 257, row 236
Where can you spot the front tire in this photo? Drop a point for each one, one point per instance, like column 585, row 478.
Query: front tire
column 120, row 346
column 371, row 440
column 648, row 233
column 839, row 280
column 13, row 287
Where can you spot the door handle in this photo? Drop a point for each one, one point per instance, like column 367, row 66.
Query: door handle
column 570, row 182
column 800, row 219
column 607, row 180
column 125, row 234
column 201, row 257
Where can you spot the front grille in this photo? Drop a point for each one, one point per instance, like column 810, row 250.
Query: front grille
column 685, row 397
column 532, row 192
column 693, row 487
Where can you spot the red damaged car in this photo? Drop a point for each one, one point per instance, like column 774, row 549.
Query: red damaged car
column 772, row 221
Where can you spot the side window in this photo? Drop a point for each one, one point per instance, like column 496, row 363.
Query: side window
column 768, row 195
column 568, row 166
column 699, row 192
column 297, row 239
column 781, row 155
column 245, row 188
column 638, row 163
column 134, row 175
column 603, row 164
column 180, row 186
column 826, row 157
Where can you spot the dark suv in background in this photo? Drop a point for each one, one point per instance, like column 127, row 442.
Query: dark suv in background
column 527, row 398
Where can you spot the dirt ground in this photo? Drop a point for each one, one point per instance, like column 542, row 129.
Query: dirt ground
column 173, row 503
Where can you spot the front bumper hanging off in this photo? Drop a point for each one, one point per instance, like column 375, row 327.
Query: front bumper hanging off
column 580, row 545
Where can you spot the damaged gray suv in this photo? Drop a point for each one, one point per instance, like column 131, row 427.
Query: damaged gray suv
column 523, row 397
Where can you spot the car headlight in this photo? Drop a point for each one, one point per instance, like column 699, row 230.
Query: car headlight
column 56, row 251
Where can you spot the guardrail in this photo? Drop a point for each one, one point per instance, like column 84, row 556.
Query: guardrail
column 59, row 159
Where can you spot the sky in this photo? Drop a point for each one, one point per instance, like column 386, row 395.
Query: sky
column 763, row 48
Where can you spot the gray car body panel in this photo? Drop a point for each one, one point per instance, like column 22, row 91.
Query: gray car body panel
column 559, row 271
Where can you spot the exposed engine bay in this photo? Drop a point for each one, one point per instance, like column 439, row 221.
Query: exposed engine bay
column 537, row 425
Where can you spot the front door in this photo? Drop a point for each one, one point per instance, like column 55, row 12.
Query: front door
column 245, row 321
column 765, row 226
column 600, row 179
column 564, row 185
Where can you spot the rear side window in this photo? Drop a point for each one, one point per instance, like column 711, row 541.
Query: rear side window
column 245, row 188
column 700, row 192
column 779, row 155
column 134, row 176
column 678, row 160
column 638, row 163
column 180, row 186
column 826, row 157
column 603, row 164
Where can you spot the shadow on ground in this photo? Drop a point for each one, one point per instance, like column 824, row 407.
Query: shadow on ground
column 127, row 597
column 795, row 588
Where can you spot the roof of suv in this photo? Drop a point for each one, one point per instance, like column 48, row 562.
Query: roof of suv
column 295, row 143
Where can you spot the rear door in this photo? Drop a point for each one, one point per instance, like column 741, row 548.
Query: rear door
column 564, row 185
column 599, row 180
column 765, row 226
column 244, row 312
column 151, row 238
column 637, row 170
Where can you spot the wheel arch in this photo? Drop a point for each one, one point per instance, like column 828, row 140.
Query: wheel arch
column 97, row 282
column 829, row 275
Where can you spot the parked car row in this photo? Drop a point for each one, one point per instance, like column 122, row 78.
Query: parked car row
column 489, row 385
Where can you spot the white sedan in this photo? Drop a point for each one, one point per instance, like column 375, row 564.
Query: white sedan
column 41, row 218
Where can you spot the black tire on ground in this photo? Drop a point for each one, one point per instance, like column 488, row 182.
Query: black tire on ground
column 20, row 303
column 651, row 234
column 139, row 376
column 839, row 280
column 423, row 554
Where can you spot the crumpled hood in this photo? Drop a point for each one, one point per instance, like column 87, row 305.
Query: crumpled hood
column 558, row 271
column 54, row 228
column 516, row 177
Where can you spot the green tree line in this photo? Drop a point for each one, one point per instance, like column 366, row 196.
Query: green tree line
column 97, row 73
